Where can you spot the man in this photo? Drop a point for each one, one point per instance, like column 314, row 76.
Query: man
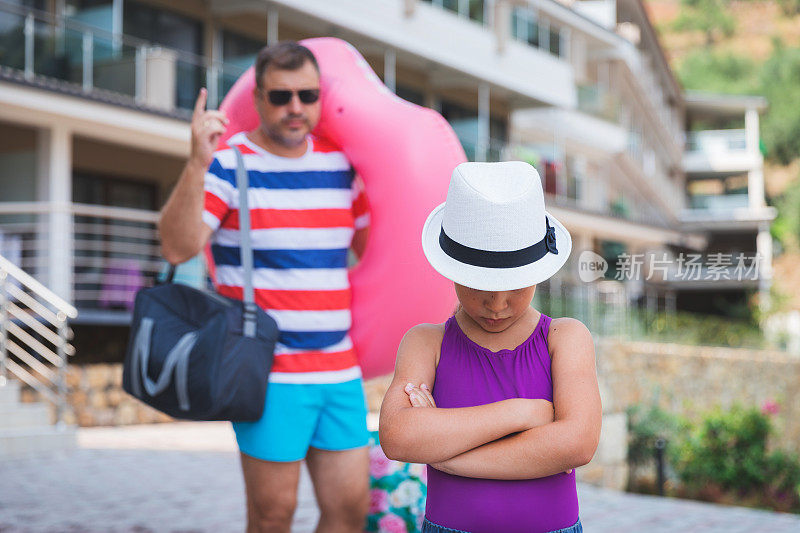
column 301, row 197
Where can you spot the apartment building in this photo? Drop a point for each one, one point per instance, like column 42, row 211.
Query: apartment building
column 94, row 100
column 724, row 170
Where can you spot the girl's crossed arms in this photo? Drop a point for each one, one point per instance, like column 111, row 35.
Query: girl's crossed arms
column 516, row 438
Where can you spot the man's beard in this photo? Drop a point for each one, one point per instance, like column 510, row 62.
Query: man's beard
column 275, row 134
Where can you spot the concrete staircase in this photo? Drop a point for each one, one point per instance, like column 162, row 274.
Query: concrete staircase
column 25, row 428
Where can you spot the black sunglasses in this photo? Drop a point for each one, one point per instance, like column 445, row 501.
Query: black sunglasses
column 284, row 96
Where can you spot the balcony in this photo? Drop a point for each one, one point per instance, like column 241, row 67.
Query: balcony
column 720, row 151
column 452, row 50
column 599, row 102
column 722, row 203
column 114, row 252
column 85, row 60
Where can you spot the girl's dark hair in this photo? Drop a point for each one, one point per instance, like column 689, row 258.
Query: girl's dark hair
column 285, row 55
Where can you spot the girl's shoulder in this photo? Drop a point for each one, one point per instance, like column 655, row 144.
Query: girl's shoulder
column 425, row 333
column 566, row 330
column 423, row 338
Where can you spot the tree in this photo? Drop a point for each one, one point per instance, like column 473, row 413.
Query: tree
column 707, row 16
column 779, row 84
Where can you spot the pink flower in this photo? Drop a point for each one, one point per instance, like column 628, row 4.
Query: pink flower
column 379, row 464
column 770, row 408
column 378, row 501
column 391, row 523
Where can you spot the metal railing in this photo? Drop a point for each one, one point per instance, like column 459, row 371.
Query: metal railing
column 34, row 335
column 40, row 44
column 114, row 251
column 717, row 141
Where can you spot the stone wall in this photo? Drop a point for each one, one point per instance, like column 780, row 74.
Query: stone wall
column 96, row 398
column 692, row 380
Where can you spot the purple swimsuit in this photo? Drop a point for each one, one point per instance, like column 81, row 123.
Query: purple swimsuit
column 467, row 375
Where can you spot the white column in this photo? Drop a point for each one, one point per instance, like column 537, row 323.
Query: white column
column 482, row 145
column 116, row 25
column 501, row 14
column 55, row 181
column 751, row 130
column 755, row 178
column 212, row 45
column 764, row 250
column 389, row 69
column 755, row 188
column 488, row 13
column 160, row 79
column 272, row 26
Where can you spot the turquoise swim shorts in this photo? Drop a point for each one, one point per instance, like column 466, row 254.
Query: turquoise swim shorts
column 326, row 416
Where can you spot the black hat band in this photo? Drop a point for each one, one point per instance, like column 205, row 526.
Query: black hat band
column 506, row 259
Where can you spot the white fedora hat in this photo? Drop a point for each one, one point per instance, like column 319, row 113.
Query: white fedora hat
column 493, row 233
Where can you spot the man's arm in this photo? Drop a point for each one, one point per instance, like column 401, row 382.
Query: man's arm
column 361, row 218
column 570, row 440
column 430, row 435
column 181, row 227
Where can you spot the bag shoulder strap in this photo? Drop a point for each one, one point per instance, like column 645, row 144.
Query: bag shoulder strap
column 242, row 183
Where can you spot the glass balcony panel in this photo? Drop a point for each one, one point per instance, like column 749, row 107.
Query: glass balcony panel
column 717, row 141
column 12, row 40
column 114, row 65
column 228, row 75
column 718, row 203
column 189, row 77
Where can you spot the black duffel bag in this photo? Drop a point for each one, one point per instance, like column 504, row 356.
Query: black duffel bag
column 197, row 355
column 188, row 356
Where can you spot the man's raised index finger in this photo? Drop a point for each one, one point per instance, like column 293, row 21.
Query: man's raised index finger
column 200, row 104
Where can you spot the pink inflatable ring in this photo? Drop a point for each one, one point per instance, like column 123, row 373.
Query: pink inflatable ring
column 405, row 154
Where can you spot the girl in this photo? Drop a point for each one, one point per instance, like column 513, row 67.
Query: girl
column 501, row 401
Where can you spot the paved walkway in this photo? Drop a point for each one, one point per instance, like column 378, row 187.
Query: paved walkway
column 185, row 478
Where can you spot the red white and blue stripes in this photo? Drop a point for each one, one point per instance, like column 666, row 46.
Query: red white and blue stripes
column 303, row 214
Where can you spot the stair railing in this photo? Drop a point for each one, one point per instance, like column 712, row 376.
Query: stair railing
column 34, row 335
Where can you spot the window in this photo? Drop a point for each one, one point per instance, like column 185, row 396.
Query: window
column 97, row 13
column 410, row 95
column 465, row 123
column 555, row 41
column 238, row 54
column 173, row 31
column 471, row 9
column 477, row 10
column 114, row 192
column 611, row 252
column 525, row 26
column 162, row 27
column 576, row 172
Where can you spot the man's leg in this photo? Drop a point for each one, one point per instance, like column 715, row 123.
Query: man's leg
column 341, row 484
column 271, row 494
column 272, row 449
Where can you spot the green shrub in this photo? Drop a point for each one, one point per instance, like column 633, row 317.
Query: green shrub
column 725, row 458
column 646, row 424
